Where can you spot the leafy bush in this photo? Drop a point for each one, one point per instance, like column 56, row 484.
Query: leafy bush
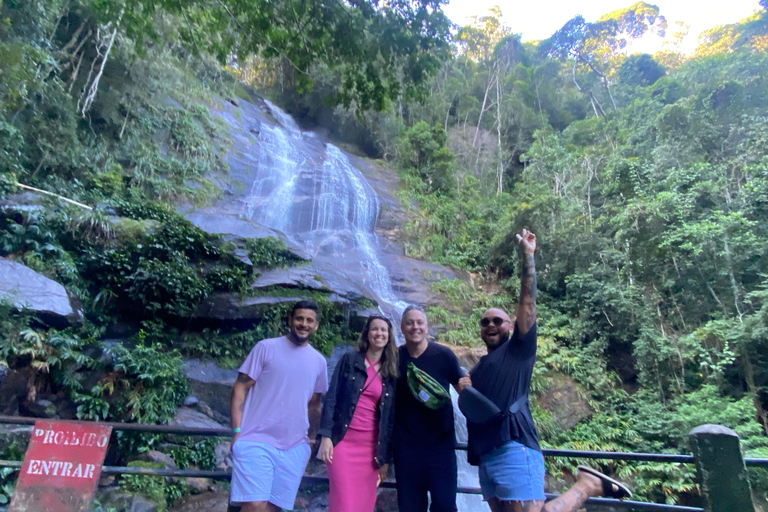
column 172, row 287
column 146, row 384
column 233, row 279
column 150, row 486
column 196, row 453
column 269, row 252
column 142, row 208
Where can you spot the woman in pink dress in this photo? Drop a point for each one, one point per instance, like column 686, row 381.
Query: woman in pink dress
column 357, row 420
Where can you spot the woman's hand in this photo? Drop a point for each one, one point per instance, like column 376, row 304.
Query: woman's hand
column 383, row 471
column 325, row 453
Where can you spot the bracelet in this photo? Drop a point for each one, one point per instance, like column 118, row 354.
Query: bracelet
column 236, row 430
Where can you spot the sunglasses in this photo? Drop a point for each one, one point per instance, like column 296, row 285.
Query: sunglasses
column 497, row 321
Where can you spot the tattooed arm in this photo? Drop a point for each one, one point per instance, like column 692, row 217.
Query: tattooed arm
column 526, row 307
column 237, row 402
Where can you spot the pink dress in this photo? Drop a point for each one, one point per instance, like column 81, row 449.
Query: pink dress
column 354, row 472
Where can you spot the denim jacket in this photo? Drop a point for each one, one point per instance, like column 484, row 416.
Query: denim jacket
column 339, row 403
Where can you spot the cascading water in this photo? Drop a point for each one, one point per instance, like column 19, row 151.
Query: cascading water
column 313, row 194
column 316, row 197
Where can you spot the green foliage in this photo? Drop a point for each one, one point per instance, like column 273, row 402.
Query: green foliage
column 149, row 486
column 423, row 150
column 172, row 288
column 155, row 381
column 196, row 453
column 229, row 349
column 268, row 252
column 233, row 279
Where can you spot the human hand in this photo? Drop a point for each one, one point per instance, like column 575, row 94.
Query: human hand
column 527, row 241
column 325, row 453
column 463, row 382
column 383, row 471
column 234, row 440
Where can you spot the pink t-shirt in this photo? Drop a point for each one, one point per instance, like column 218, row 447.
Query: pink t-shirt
column 286, row 376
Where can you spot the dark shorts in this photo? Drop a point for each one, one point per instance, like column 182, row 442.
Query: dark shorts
column 512, row 472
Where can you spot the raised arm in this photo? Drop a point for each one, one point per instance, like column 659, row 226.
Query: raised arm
column 526, row 307
column 237, row 402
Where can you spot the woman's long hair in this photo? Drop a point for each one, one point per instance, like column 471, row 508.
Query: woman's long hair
column 389, row 355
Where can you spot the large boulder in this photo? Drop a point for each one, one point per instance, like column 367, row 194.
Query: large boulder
column 26, row 289
column 228, row 306
column 233, row 308
column 186, row 417
column 308, row 277
column 211, row 384
column 564, row 399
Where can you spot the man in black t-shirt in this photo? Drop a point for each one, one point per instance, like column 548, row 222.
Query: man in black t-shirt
column 423, row 439
column 506, row 447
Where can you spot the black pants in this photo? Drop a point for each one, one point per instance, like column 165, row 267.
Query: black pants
column 418, row 471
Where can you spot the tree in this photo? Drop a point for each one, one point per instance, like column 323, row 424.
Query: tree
column 595, row 45
column 382, row 50
column 640, row 70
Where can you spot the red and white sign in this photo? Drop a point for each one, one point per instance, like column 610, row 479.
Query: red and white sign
column 61, row 467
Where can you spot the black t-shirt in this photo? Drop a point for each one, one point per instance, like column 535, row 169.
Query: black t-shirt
column 504, row 376
column 416, row 425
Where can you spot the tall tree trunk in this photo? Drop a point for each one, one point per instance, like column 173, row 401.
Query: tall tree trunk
column 488, row 86
column 500, row 173
column 90, row 92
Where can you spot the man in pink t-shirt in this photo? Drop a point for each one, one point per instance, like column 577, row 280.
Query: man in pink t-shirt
column 279, row 385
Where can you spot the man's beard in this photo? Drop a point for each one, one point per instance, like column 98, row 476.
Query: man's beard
column 503, row 338
column 296, row 339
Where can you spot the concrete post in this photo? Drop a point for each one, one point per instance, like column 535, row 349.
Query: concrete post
column 722, row 474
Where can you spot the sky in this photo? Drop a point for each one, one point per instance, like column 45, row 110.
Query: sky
column 538, row 19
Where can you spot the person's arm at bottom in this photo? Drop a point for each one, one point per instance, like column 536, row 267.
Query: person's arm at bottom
column 237, row 402
column 314, row 411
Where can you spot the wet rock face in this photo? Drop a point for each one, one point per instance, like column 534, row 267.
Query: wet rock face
column 26, row 289
column 211, row 384
column 231, row 306
column 564, row 398
column 308, row 277
column 340, row 211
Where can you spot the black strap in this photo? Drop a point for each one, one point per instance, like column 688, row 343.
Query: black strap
column 370, row 381
column 519, row 403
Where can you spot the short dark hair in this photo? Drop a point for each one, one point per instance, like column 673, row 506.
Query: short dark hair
column 412, row 307
column 306, row 304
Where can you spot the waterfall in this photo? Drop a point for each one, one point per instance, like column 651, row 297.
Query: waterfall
column 313, row 194
column 468, row 476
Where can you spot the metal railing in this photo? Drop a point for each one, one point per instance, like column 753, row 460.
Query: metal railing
column 226, row 475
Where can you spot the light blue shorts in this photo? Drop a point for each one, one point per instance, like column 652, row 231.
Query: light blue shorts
column 261, row 472
column 512, row 472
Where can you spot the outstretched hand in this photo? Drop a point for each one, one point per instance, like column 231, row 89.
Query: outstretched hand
column 527, row 241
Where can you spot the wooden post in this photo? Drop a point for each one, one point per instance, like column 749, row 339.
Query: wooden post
column 722, row 474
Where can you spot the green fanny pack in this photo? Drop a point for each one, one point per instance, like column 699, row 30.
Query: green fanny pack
column 426, row 389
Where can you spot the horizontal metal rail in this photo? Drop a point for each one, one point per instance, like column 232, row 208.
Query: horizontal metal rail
column 225, row 432
column 226, row 475
column 141, row 427
column 643, row 457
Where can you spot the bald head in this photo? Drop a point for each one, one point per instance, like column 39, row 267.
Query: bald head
column 495, row 327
